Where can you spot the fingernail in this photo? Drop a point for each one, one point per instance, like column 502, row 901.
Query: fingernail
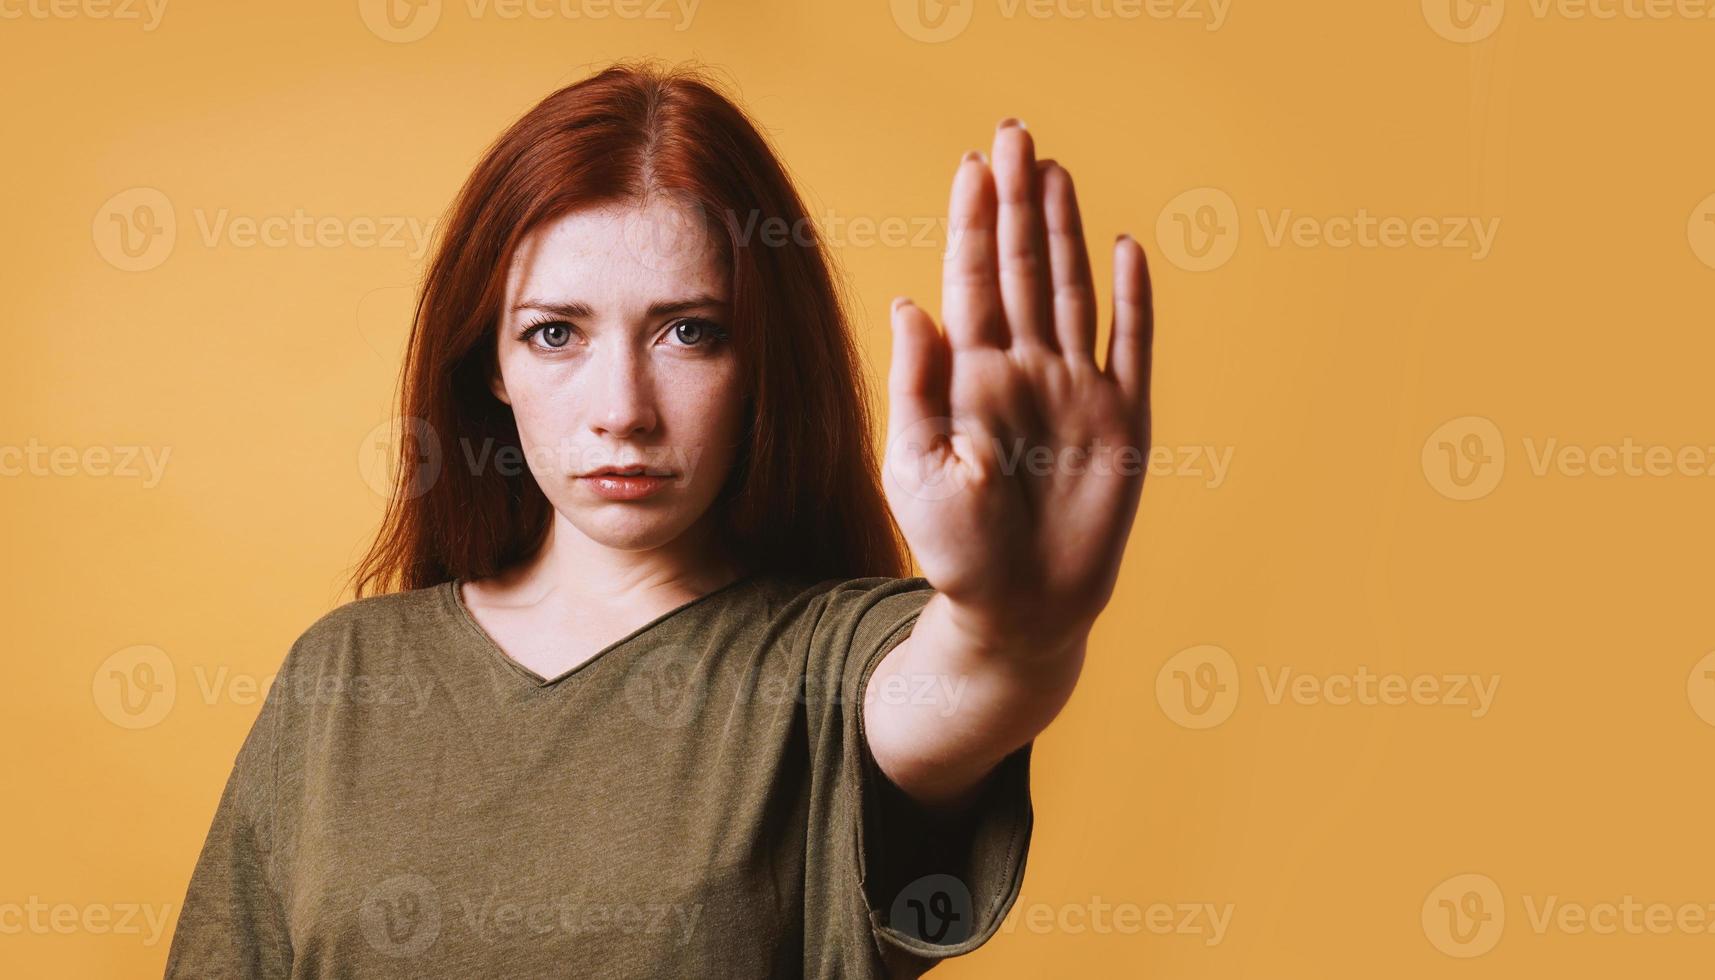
column 970, row 155
column 899, row 301
column 1010, row 121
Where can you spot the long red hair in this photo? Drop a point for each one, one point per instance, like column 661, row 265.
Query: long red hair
column 804, row 496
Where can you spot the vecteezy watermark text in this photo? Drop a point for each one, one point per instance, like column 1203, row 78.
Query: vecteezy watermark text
column 145, row 12
column 1199, row 230
column 934, row 22
column 38, row 918
column 1199, row 687
column 404, row 21
column 147, row 463
column 1465, row 458
column 137, row 229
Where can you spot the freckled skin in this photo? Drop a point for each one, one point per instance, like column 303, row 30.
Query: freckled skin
column 622, row 384
column 612, row 383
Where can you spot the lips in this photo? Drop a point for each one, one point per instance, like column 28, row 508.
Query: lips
column 624, row 484
column 637, row 470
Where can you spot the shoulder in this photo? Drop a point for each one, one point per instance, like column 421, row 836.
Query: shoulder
column 799, row 598
column 804, row 618
column 861, row 595
column 352, row 637
column 385, row 612
column 835, row 621
column 801, row 589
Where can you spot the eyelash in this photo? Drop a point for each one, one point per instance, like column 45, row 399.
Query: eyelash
column 719, row 332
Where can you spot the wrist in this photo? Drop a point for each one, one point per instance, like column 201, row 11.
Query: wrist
column 1018, row 636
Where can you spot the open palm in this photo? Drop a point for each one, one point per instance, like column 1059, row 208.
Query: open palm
column 1014, row 461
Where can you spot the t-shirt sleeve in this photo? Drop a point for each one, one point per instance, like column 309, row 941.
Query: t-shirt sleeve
column 914, row 889
column 233, row 922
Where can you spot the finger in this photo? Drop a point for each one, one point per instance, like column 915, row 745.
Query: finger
column 970, row 291
column 1022, row 240
column 1133, row 335
column 1069, row 260
column 917, row 378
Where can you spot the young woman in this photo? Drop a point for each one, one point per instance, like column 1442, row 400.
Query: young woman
column 634, row 685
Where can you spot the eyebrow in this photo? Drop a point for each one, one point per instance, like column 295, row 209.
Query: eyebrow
column 574, row 310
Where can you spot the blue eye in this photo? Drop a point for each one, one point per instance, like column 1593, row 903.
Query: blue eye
column 555, row 334
column 693, row 332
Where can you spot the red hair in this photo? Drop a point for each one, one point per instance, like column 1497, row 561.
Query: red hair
column 804, row 496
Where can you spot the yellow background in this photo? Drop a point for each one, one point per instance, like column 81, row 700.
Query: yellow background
column 1330, row 544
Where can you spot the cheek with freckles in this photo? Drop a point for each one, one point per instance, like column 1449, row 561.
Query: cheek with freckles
column 700, row 419
column 698, row 409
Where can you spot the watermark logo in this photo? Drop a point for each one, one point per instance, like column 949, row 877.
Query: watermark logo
column 401, row 917
column 932, row 21
column 1198, row 687
column 842, row 231
column 919, row 458
column 404, row 21
column 673, row 234
column 918, row 461
column 1464, row 915
column 935, row 21
column 400, row 21
column 135, row 229
column 666, row 686
column 1464, row 21
column 135, row 687
column 1468, row 21
column 1464, row 458
column 675, row 231
column 1700, row 231
column 934, row 909
column 1199, row 230
column 380, row 453
column 1700, row 687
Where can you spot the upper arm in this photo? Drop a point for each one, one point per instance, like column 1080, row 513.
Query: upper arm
column 940, row 714
column 233, row 920
column 915, row 885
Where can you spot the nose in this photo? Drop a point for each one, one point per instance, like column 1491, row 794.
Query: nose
column 624, row 393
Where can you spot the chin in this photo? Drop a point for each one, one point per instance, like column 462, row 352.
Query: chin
column 631, row 528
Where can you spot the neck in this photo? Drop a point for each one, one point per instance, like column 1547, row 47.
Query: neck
column 574, row 567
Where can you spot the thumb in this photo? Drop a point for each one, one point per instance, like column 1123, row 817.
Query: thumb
column 917, row 380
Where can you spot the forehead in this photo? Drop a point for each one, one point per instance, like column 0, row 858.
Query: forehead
column 621, row 255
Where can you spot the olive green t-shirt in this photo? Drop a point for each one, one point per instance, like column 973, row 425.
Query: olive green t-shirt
column 696, row 800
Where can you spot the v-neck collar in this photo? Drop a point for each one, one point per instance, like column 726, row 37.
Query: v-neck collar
column 452, row 594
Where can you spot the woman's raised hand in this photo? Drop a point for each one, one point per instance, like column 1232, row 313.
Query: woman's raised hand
column 1014, row 460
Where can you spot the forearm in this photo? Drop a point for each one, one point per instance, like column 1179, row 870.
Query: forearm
column 952, row 700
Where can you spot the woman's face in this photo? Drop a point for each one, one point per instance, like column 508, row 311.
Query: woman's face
column 614, row 352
